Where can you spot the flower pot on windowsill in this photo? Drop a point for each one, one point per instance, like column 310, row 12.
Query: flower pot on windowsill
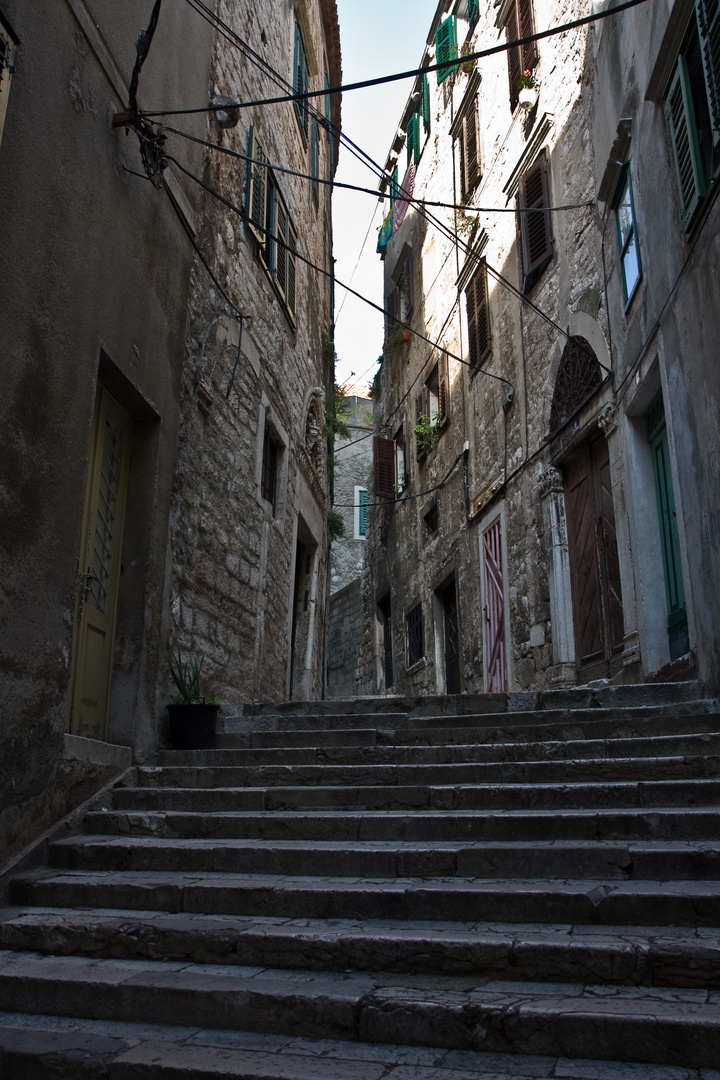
column 527, row 97
column 406, row 335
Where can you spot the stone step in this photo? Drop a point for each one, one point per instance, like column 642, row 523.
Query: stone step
column 47, row 1047
column 664, row 1025
column 656, row 746
column 260, row 740
column 666, row 823
column 467, row 710
column 634, row 860
column 612, row 955
column 538, row 772
column 522, row 900
column 645, row 794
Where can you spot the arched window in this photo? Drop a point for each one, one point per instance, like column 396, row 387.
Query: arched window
column 578, row 377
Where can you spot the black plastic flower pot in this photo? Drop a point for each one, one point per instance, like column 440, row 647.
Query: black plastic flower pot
column 192, row 727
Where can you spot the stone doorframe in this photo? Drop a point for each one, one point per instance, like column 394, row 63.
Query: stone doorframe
column 550, row 490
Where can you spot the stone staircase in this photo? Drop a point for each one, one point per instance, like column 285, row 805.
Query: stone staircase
column 497, row 886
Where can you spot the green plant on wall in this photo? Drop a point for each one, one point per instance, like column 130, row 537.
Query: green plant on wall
column 336, row 525
column 427, row 433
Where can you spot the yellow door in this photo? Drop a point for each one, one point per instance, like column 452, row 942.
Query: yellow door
column 99, row 569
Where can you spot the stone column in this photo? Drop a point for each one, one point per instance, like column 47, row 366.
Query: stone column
column 550, row 490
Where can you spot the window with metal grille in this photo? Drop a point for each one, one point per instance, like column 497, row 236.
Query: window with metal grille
column 268, row 477
column 270, row 223
column 520, row 23
column 300, row 81
column 478, row 318
column 415, row 635
column 692, row 102
column 536, row 229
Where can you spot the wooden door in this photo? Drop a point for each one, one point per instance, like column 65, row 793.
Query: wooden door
column 99, row 569
column 594, row 564
column 495, row 657
column 451, row 639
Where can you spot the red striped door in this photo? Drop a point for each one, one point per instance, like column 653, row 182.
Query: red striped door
column 495, row 658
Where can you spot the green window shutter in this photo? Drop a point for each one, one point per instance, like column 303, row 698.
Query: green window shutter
column 291, row 271
column 708, row 19
column 394, row 187
column 362, row 511
column 681, row 117
column 445, row 45
column 425, row 103
column 300, row 79
column 256, row 201
column 473, row 12
column 281, row 256
column 413, row 139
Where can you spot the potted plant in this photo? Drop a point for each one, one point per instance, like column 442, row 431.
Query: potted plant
column 467, row 66
column 192, row 717
column 528, row 87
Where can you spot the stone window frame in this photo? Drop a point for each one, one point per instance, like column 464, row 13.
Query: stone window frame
column 268, row 422
column 627, row 236
column 265, row 207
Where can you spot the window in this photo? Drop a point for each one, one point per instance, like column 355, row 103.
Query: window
column 520, row 23
column 425, row 104
column 8, row 44
column 469, row 139
column 415, row 636
column 271, row 225
column 535, row 222
column 478, row 318
column 693, row 110
column 390, row 478
column 431, row 519
column 270, row 459
column 627, row 236
column 400, row 299
column 300, row 80
column 413, row 139
column 360, row 509
column 446, row 47
column 473, row 13
column 431, row 406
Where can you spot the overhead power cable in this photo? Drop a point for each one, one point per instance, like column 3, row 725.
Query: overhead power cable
column 263, row 163
column 445, row 65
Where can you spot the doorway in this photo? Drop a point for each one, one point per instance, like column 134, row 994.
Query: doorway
column 494, row 609
column 99, row 569
column 303, row 614
column 451, row 638
column 594, row 563
column 387, row 675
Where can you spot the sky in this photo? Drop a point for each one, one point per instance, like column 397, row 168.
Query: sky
column 377, row 38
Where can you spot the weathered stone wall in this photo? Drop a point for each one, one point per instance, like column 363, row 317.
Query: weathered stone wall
column 247, row 587
column 344, row 641
column 94, row 280
column 353, row 468
column 505, row 436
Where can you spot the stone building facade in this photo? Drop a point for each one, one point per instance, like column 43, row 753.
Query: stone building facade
column 506, row 536
column 247, row 578
column 352, row 483
column 133, row 519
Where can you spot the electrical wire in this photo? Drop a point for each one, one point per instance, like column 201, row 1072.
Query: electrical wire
column 445, row 65
column 417, row 495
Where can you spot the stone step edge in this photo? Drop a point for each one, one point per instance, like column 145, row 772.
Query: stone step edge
column 154, row 1052
column 661, row 1026
column 608, row 955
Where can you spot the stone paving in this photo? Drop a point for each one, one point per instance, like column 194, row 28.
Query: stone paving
column 537, row 896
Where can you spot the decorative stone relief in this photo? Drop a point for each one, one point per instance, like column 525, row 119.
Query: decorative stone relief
column 549, row 480
column 608, row 419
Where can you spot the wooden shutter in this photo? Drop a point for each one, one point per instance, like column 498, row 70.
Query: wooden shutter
column 425, row 103
column 470, row 150
column 535, row 228
column 443, row 384
column 256, row 200
column 290, row 290
column 413, row 139
column 708, row 19
column 683, row 133
column 281, row 247
column 384, row 467
column 445, row 46
column 520, row 23
column 478, row 317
